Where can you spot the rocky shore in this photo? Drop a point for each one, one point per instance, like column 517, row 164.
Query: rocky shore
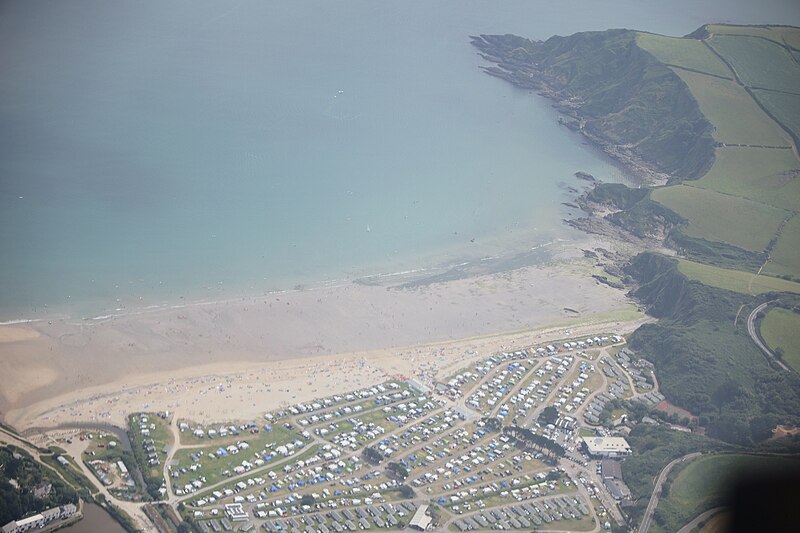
column 541, row 67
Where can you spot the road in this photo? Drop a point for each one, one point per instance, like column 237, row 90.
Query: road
column 751, row 330
column 701, row 517
column 662, row 478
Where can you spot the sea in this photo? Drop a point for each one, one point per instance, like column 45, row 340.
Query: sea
column 153, row 153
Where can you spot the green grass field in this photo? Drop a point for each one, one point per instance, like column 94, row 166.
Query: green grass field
column 781, row 329
column 735, row 280
column 735, row 115
column 780, row 34
column 783, row 106
column 703, row 484
column 789, row 35
column 687, row 53
column 162, row 437
column 721, row 217
column 785, row 257
column 212, row 468
column 760, row 174
column 759, row 62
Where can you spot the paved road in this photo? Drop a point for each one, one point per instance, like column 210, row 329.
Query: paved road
column 701, row 517
column 751, row 330
column 662, row 477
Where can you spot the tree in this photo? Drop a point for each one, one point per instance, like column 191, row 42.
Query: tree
column 406, row 491
column 493, row 424
column 549, row 415
column 398, row 470
column 372, row 454
column 308, row 499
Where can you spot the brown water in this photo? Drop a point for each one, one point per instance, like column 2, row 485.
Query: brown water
column 95, row 520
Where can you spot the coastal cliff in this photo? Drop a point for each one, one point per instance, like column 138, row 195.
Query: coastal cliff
column 616, row 94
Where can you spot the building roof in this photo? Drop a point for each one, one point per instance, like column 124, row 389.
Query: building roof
column 612, row 469
column 420, row 519
column 606, row 445
column 30, row 520
column 618, row 489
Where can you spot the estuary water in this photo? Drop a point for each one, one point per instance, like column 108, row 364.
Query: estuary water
column 158, row 152
column 95, row 519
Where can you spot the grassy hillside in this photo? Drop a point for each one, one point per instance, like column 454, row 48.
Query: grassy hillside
column 735, row 280
column 786, row 35
column 759, row 62
column 736, row 117
column 780, row 329
column 705, row 483
column 690, row 54
column 723, row 217
column 784, row 107
column 706, row 364
column 750, row 194
column 653, row 448
column 785, row 257
column 766, row 176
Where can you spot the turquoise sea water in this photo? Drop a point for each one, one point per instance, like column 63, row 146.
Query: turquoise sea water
column 158, row 151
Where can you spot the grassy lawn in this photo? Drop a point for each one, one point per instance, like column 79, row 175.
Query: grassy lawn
column 783, row 106
column 759, row 62
column 303, row 454
column 735, row 280
column 760, row 174
column 785, row 257
column 781, row 329
column 735, row 115
column 584, row 524
column 161, row 436
column 723, row 218
column 704, row 482
column 687, row 53
column 212, row 468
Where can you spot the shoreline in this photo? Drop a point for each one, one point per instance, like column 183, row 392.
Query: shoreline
column 434, row 264
column 352, row 318
column 217, row 392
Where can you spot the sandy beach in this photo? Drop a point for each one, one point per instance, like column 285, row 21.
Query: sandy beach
column 239, row 358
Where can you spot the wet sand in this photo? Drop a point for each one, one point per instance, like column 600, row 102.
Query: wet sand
column 242, row 357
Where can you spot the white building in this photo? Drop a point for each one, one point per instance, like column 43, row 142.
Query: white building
column 40, row 520
column 606, row 446
column 421, row 520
